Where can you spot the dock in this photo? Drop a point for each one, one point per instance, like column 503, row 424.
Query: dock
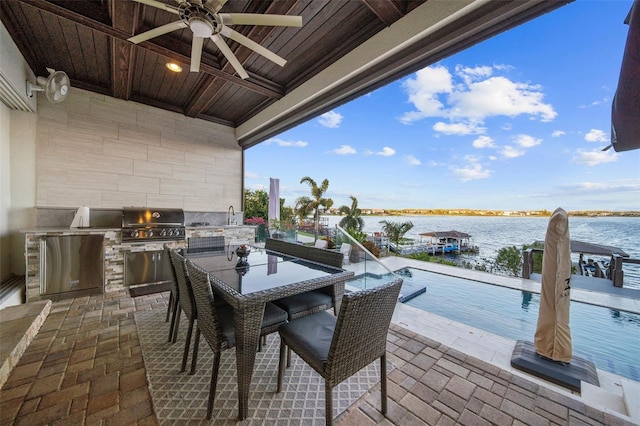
column 437, row 243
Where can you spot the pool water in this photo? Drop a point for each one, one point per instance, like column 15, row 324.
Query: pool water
column 607, row 337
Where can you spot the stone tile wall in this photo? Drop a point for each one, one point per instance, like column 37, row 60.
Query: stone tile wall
column 97, row 151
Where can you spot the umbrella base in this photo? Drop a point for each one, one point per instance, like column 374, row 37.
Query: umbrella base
column 525, row 358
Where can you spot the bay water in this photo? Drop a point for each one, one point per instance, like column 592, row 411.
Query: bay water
column 491, row 233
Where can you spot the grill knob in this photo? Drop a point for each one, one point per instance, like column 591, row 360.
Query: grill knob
column 163, row 233
column 149, row 233
column 134, row 233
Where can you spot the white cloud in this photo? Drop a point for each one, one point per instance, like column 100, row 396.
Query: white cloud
column 458, row 128
column 423, row 91
column 344, row 150
column 386, row 152
column 595, row 157
column 251, row 175
column 413, row 161
column 526, row 141
column 473, row 74
column 511, row 152
column 558, row 133
column 631, row 186
column 595, row 135
column 500, row 96
column 473, row 171
column 477, row 95
column 256, row 187
column 604, row 100
column 283, row 143
column 483, row 142
column 331, row 119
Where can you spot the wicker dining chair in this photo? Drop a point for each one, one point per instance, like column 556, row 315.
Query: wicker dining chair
column 174, row 297
column 215, row 322
column 337, row 348
column 187, row 305
column 310, row 302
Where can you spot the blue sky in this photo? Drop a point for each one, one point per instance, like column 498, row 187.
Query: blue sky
column 517, row 122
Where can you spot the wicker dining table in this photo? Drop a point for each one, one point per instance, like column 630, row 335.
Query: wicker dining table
column 248, row 284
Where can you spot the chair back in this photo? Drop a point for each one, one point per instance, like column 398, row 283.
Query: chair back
column 174, row 280
column 208, row 322
column 345, row 249
column 284, row 247
column 326, row 257
column 360, row 335
column 315, row 254
column 187, row 302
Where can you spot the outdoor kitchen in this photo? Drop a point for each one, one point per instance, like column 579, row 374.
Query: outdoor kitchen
column 131, row 250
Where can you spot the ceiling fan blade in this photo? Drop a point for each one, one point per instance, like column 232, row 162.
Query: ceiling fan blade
column 236, row 36
column 224, row 48
column 159, row 5
column 164, row 29
column 214, row 5
column 261, row 19
column 196, row 53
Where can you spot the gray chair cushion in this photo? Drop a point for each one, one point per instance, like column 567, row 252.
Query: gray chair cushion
column 305, row 301
column 225, row 318
column 311, row 336
column 272, row 316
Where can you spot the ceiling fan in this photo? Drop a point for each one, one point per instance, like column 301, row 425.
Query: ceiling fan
column 202, row 17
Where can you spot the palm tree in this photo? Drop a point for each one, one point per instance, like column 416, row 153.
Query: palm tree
column 396, row 230
column 352, row 219
column 304, row 204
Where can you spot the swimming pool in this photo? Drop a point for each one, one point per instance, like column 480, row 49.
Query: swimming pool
column 607, row 337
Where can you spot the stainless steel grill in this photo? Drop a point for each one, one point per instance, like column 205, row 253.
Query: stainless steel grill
column 141, row 224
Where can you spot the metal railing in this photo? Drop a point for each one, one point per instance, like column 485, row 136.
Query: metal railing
column 613, row 271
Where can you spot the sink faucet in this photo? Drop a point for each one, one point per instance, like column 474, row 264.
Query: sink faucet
column 230, row 212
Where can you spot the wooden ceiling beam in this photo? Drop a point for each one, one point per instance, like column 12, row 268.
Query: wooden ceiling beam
column 123, row 36
column 209, row 88
column 389, row 11
column 122, row 52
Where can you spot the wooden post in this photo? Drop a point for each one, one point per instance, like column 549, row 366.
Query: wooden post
column 527, row 263
column 617, row 275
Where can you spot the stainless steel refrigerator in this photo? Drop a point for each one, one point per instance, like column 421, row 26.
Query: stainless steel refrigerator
column 71, row 263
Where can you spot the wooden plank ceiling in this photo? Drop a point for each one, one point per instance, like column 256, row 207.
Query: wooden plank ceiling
column 344, row 49
column 88, row 40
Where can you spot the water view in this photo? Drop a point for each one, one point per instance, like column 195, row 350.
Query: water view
column 607, row 337
column 492, row 233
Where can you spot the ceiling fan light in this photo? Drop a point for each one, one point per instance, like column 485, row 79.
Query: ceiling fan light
column 200, row 27
column 174, row 67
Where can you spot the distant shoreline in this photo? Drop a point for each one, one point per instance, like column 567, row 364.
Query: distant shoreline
column 500, row 213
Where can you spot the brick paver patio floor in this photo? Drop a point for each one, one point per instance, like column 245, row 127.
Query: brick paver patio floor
column 85, row 366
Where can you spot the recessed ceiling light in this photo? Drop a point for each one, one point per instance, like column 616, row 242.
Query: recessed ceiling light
column 174, row 67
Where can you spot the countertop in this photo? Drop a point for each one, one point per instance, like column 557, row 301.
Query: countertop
column 58, row 229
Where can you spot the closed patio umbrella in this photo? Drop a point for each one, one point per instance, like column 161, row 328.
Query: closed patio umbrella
column 274, row 199
column 553, row 335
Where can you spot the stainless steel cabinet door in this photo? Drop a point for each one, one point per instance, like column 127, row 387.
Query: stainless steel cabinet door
column 71, row 263
column 146, row 267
